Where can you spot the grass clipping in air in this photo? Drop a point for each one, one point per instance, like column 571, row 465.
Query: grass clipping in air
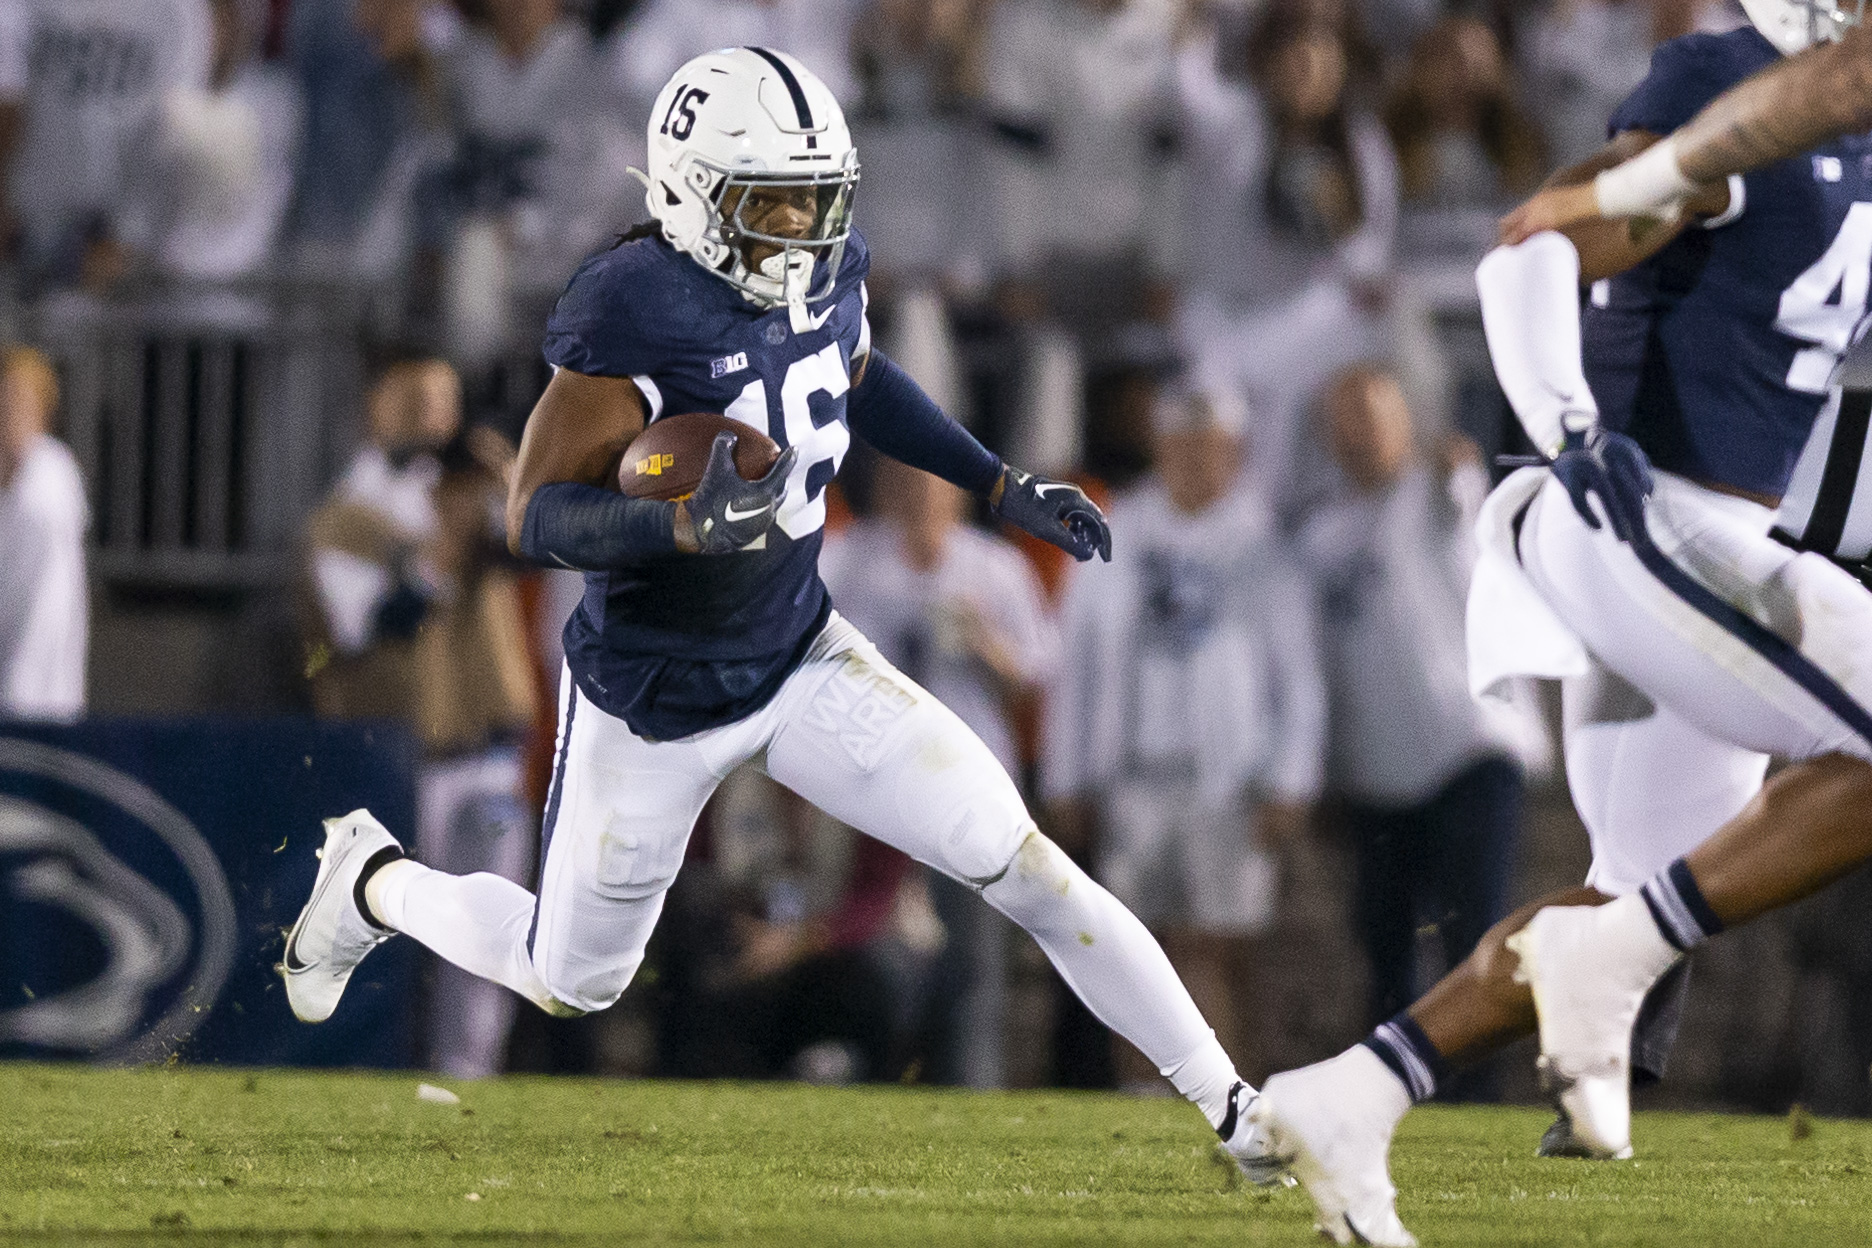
column 178, row 1155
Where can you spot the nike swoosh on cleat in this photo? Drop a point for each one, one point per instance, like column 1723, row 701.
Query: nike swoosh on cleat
column 291, row 961
column 292, row 941
column 1040, row 491
column 730, row 514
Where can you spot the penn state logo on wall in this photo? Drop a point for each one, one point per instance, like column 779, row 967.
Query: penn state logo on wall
column 118, row 913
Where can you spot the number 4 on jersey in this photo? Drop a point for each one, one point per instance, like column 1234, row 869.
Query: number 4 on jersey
column 1810, row 312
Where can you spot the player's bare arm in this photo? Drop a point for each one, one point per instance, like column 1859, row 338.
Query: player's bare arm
column 1607, row 247
column 578, row 431
column 1823, row 93
column 1806, row 100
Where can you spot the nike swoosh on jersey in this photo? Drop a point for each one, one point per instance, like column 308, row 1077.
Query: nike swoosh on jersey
column 731, row 515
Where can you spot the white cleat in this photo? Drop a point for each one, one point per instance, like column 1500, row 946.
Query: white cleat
column 1247, row 1144
column 1589, row 982
column 331, row 937
column 1331, row 1125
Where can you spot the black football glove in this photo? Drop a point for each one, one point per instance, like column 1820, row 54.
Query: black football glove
column 728, row 511
column 1054, row 511
column 1596, row 463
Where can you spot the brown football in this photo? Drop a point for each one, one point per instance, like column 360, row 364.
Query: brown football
column 667, row 459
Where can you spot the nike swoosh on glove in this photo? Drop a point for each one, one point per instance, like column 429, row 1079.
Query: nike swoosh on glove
column 1055, row 511
column 728, row 511
column 1610, row 467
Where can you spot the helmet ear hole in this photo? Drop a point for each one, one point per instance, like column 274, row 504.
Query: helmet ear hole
column 670, row 197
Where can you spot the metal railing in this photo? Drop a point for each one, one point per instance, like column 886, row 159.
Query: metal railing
column 206, row 423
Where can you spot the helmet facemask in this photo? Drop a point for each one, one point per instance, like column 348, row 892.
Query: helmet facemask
column 799, row 268
column 1828, row 20
column 1795, row 25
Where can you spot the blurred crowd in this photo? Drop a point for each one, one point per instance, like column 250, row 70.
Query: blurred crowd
column 1210, row 257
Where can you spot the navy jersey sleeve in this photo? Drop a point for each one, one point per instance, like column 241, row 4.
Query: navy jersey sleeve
column 1687, row 74
column 595, row 328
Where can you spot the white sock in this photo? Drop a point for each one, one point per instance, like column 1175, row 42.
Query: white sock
column 1205, row 1077
column 1116, row 967
column 1368, row 1081
column 479, row 922
column 1632, row 942
column 378, row 891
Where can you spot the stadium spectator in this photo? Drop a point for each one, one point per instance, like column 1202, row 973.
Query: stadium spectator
column 417, row 619
column 1078, row 94
column 1184, row 734
column 83, row 132
column 1290, row 219
column 538, row 178
column 1462, row 139
column 1582, row 57
column 211, row 192
column 1430, row 779
column 960, row 613
column 920, row 63
column 376, row 126
column 44, row 600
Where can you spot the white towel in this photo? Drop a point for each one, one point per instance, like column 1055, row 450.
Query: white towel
column 1512, row 630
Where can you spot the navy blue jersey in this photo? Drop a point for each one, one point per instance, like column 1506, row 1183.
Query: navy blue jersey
column 681, row 643
column 1718, row 353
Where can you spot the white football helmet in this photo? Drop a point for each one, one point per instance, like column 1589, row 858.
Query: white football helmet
column 752, row 118
column 1796, row 25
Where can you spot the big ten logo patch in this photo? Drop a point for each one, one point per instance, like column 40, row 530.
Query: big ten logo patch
column 857, row 707
column 655, row 465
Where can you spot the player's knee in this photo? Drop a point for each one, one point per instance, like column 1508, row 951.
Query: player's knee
column 570, row 993
column 1828, row 614
column 1039, row 880
column 982, row 835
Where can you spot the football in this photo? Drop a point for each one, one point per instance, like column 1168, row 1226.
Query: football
column 667, row 459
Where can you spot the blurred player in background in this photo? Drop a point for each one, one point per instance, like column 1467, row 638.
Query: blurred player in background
column 1186, row 728
column 1641, row 569
column 44, row 601
column 706, row 637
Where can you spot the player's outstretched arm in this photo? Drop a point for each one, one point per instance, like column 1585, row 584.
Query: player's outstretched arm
column 1788, row 108
column 890, row 411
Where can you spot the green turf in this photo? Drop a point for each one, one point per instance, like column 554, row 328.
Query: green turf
column 185, row 1156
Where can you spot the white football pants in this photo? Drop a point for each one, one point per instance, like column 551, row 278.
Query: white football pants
column 1669, row 737
column 858, row 739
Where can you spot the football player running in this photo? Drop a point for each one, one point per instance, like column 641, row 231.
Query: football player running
column 1638, row 566
column 706, row 638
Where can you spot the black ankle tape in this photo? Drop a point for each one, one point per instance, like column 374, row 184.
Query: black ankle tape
column 376, row 862
column 1227, row 1129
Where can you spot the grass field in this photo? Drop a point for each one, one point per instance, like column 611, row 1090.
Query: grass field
column 209, row 1156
